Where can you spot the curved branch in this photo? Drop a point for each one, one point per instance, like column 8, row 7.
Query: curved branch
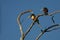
column 46, row 30
column 21, row 30
column 19, row 23
column 53, row 26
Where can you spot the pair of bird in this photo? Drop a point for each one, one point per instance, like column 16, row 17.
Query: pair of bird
column 34, row 18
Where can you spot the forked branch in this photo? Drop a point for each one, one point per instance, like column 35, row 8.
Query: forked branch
column 45, row 30
column 19, row 23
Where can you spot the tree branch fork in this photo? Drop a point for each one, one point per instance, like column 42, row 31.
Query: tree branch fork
column 23, row 35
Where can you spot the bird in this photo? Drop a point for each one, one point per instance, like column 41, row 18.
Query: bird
column 45, row 10
column 34, row 18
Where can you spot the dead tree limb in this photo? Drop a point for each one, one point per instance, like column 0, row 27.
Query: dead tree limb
column 47, row 30
column 29, row 28
column 20, row 26
column 21, row 29
column 19, row 23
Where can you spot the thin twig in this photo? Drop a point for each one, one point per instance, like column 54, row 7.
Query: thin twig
column 55, row 12
column 40, row 35
column 46, row 30
column 28, row 30
column 52, row 26
column 55, row 27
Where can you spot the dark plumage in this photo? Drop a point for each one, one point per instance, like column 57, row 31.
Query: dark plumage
column 34, row 18
column 45, row 10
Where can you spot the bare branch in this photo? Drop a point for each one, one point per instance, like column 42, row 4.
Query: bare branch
column 46, row 30
column 53, row 27
column 40, row 15
column 55, row 12
column 18, row 20
column 40, row 35
column 29, row 28
column 19, row 23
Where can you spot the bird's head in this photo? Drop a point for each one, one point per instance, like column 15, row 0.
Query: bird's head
column 32, row 16
column 45, row 9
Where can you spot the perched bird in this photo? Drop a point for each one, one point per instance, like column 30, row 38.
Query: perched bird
column 34, row 18
column 45, row 10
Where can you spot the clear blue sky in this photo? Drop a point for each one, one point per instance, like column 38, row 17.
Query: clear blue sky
column 9, row 9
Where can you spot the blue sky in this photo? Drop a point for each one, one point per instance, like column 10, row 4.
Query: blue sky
column 9, row 9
